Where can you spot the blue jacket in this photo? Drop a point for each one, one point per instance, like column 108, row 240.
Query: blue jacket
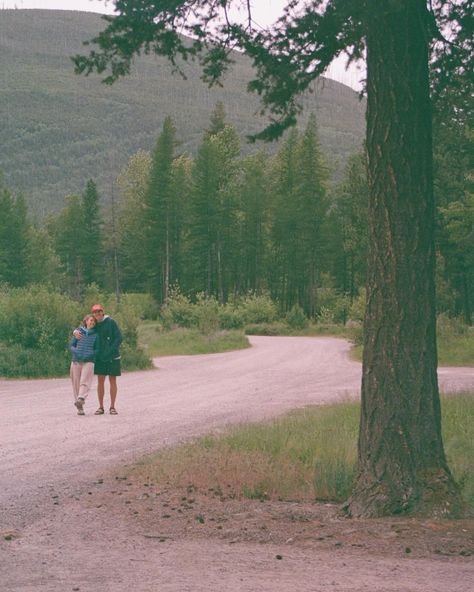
column 86, row 348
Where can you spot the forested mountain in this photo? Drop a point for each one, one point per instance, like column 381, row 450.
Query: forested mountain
column 58, row 129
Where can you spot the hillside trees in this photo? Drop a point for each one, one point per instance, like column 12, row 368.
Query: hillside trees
column 253, row 225
column 283, row 267
column 76, row 233
column 454, row 187
column 161, row 216
column 458, row 248
column 298, row 220
column 312, row 205
column 348, row 228
column 402, row 465
column 212, row 213
column 90, row 244
column 132, row 186
column 15, row 248
column 66, row 228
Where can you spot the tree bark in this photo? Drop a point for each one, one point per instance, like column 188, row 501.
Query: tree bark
column 402, row 465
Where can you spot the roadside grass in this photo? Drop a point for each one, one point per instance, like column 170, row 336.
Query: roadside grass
column 308, row 454
column 456, row 350
column 453, row 350
column 157, row 342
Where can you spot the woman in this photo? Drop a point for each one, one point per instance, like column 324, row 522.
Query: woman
column 84, row 351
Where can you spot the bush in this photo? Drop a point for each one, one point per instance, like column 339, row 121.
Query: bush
column 134, row 358
column 35, row 328
column 19, row 362
column 357, row 308
column 36, row 325
column 257, row 309
column 143, row 306
column 207, row 314
column 332, row 306
column 178, row 312
column 230, row 318
column 270, row 329
column 447, row 326
column 36, row 318
column 296, row 318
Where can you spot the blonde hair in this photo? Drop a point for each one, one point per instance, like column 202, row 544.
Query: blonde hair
column 86, row 318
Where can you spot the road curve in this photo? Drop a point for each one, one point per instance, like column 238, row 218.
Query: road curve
column 44, row 445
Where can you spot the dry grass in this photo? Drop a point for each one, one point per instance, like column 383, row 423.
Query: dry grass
column 306, row 455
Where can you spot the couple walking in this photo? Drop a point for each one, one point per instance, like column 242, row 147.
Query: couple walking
column 95, row 350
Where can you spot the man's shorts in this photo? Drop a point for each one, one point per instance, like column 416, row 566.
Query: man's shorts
column 111, row 368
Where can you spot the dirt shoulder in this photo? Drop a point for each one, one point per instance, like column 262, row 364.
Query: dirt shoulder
column 173, row 514
column 121, row 534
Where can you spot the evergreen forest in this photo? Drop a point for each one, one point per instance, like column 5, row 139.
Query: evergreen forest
column 223, row 225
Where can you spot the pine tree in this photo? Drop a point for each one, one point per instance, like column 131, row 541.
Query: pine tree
column 14, row 239
column 312, row 205
column 159, row 209
column 65, row 229
column 132, row 184
column 181, row 189
column 253, row 225
column 283, row 255
column 90, row 244
column 212, row 230
column 349, row 228
column 217, row 120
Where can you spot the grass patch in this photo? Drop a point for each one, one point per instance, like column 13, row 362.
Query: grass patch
column 456, row 350
column 458, row 435
column 308, row 454
column 157, row 342
column 453, row 350
column 304, row 455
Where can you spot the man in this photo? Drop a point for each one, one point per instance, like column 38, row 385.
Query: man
column 107, row 362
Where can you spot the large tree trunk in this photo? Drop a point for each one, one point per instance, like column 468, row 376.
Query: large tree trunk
column 402, row 466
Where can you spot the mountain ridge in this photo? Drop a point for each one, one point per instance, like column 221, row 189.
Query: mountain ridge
column 60, row 129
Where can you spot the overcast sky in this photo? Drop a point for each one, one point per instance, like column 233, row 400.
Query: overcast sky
column 263, row 12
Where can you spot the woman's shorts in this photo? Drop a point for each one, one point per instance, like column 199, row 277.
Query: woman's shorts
column 111, row 368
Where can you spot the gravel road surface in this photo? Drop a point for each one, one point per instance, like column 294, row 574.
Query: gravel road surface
column 48, row 451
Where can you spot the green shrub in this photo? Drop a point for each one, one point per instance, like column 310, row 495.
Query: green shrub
column 230, row 318
column 447, row 326
column 207, row 314
column 257, row 309
column 296, row 318
column 357, row 308
column 36, row 325
column 178, row 311
column 267, row 329
column 36, row 318
column 143, row 306
column 92, row 294
column 134, row 358
column 19, row 362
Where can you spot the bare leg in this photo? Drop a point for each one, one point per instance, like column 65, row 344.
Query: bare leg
column 113, row 390
column 100, row 389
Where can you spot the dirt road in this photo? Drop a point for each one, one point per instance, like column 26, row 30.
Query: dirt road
column 51, row 459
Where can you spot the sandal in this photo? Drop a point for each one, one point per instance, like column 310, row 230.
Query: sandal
column 99, row 411
column 113, row 411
